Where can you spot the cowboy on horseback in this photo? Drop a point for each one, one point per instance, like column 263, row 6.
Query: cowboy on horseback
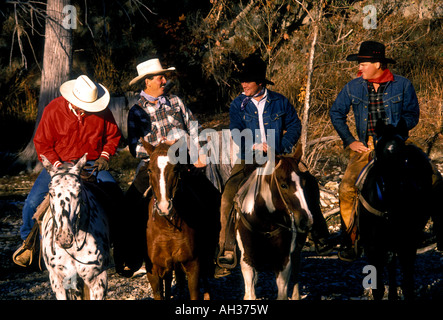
column 260, row 110
column 157, row 117
column 375, row 94
column 73, row 124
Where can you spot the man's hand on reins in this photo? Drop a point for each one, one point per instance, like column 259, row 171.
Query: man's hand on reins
column 101, row 164
column 201, row 161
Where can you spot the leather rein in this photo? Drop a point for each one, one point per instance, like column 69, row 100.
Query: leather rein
column 76, row 226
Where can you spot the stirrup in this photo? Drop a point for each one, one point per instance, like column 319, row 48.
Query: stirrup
column 23, row 256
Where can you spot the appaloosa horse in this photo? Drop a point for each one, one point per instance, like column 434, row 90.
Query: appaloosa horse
column 182, row 230
column 272, row 223
column 394, row 206
column 75, row 236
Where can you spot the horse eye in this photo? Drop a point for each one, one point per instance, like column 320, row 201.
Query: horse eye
column 284, row 186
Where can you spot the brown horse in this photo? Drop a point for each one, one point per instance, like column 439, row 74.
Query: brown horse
column 178, row 220
column 272, row 223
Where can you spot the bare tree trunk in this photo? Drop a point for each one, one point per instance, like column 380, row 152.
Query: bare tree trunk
column 241, row 16
column 57, row 61
column 307, row 106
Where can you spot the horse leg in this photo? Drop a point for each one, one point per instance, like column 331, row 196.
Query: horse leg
column 283, row 280
column 392, row 278
column 86, row 293
column 192, row 270
column 250, row 277
column 249, row 273
column 407, row 260
column 180, row 279
column 296, row 264
column 167, row 284
column 156, row 283
column 97, row 288
column 376, row 258
column 57, row 285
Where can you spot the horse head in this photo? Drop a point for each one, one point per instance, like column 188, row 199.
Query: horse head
column 163, row 176
column 287, row 185
column 390, row 146
column 65, row 199
column 404, row 168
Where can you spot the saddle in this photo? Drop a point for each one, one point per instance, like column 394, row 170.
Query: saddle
column 249, row 187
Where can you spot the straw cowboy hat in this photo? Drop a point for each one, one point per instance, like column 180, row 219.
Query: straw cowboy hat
column 149, row 68
column 370, row 51
column 85, row 94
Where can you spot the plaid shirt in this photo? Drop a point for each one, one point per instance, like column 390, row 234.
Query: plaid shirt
column 376, row 109
column 156, row 121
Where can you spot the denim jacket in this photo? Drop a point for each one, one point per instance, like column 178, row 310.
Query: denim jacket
column 399, row 99
column 278, row 115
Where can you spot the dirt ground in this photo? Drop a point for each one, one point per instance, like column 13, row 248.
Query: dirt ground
column 322, row 277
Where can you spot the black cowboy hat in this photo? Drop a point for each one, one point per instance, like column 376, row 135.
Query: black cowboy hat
column 252, row 69
column 370, row 51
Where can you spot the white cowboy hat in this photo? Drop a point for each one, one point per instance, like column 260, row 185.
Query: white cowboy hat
column 150, row 67
column 85, row 94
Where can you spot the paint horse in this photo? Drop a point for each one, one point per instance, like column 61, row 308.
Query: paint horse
column 272, row 223
column 75, row 236
column 395, row 202
column 181, row 230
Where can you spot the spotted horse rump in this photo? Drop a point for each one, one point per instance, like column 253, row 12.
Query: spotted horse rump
column 75, row 236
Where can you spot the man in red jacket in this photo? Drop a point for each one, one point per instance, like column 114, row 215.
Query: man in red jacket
column 73, row 124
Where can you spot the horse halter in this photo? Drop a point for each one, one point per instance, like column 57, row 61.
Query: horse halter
column 75, row 227
column 279, row 226
column 288, row 210
column 170, row 200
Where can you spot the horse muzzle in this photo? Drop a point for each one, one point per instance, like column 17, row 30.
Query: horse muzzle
column 163, row 207
column 303, row 222
column 64, row 239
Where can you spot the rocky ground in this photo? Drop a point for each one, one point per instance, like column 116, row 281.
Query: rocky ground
column 322, row 277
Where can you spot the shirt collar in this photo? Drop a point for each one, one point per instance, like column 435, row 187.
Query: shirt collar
column 75, row 111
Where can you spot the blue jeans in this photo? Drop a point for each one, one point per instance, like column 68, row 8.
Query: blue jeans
column 38, row 193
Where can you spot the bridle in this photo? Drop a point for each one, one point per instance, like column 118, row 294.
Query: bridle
column 75, row 227
column 280, row 227
column 168, row 216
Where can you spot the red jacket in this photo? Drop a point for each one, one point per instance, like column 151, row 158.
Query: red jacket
column 61, row 136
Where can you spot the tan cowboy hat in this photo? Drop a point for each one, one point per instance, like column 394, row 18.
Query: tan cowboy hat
column 85, row 94
column 150, row 67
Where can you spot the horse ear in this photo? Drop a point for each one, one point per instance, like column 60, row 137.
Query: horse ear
column 81, row 163
column 148, row 147
column 380, row 128
column 48, row 165
column 402, row 128
column 298, row 152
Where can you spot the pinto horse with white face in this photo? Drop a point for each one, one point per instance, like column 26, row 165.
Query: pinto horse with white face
column 272, row 223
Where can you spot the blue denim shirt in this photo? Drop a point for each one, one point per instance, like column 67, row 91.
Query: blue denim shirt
column 399, row 100
column 279, row 114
